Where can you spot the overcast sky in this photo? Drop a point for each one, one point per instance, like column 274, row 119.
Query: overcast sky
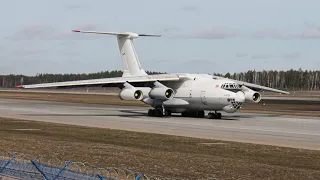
column 202, row 36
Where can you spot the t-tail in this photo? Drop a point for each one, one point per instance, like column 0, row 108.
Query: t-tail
column 130, row 60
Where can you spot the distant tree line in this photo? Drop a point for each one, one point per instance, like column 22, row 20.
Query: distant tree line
column 9, row 81
column 288, row 80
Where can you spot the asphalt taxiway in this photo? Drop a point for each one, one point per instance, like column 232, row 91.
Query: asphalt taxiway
column 280, row 130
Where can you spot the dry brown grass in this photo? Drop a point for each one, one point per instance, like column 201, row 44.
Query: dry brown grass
column 311, row 95
column 168, row 156
column 75, row 98
column 298, row 108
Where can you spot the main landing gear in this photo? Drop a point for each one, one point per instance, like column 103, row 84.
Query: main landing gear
column 201, row 114
column 158, row 112
column 214, row 115
column 196, row 114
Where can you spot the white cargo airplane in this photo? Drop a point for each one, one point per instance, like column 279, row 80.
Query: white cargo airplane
column 188, row 94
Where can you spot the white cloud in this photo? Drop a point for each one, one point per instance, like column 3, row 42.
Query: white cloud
column 214, row 32
column 188, row 8
column 272, row 33
column 34, row 32
column 241, row 55
column 46, row 32
column 87, row 26
column 292, row 55
column 171, row 29
column 310, row 33
column 261, row 56
column 73, row 6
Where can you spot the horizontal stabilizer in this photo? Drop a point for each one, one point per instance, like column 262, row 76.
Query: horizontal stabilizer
column 130, row 34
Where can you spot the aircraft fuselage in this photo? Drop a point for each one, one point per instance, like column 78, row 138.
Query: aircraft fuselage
column 202, row 92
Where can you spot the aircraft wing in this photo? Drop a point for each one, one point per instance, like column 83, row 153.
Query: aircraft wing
column 106, row 81
column 256, row 87
column 307, row 99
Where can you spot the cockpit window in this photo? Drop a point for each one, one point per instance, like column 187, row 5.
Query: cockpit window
column 230, row 86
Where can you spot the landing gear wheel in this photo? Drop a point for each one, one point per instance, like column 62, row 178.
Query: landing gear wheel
column 167, row 113
column 158, row 113
column 200, row 114
column 195, row 114
column 151, row 112
column 219, row 115
column 214, row 115
column 211, row 116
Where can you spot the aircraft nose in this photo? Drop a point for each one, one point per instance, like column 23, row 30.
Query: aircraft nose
column 240, row 97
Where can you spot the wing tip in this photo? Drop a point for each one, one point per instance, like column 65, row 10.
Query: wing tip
column 284, row 92
column 76, row 30
column 19, row 87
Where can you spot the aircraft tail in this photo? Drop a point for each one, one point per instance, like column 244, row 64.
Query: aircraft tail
column 130, row 60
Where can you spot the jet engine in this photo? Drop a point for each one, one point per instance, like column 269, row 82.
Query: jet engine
column 131, row 94
column 162, row 93
column 250, row 95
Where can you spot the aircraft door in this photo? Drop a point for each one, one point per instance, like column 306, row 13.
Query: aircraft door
column 188, row 86
column 203, row 97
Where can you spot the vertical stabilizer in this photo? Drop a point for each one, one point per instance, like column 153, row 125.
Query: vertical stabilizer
column 129, row 57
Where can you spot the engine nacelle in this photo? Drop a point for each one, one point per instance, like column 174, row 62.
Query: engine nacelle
column 161, row 93
column 252, row 96
column 131, row 94
column 145, row 91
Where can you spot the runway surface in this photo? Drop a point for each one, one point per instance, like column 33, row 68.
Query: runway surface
column 59, row 92
column 92, row 92
column 297, row 132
